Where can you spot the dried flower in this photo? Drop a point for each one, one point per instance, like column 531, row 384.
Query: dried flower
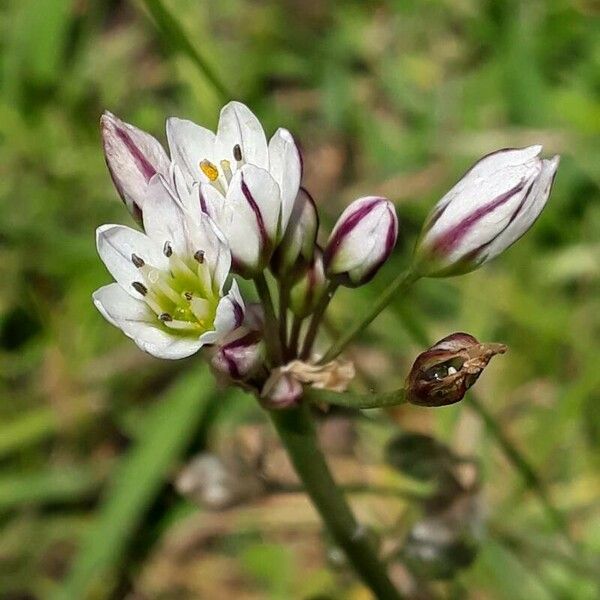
column 442, row 374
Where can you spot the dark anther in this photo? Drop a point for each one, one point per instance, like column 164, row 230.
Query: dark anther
column 167, row 249
column 140, row 287
column 165, row 317
column 137, row 261
column 237, row 152
column 199, row 256
column 188, row 296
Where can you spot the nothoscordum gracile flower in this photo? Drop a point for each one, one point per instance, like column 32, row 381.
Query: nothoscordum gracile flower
column 488, row 210
column 248, row 186
column 361, row 241
column 168, row 296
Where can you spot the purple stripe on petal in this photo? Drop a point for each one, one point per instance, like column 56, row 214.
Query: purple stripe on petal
column 451, row 238
column 238, row 313
column 349, row 223
column 144, row 166
column 202, row 199
column 256, row 209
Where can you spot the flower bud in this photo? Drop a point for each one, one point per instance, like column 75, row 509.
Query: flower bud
column 300, row 235
column 282, row 390
column 361, row 241
column 441, row 375
column 241, row 357
column 488, row 210
column 308, row 289
column 133, row 157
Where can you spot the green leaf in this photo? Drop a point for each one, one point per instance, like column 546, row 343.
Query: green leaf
column 167, row 431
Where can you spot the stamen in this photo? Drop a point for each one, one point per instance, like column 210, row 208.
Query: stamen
column 165, row 317
column 167, row 249
column 201, row 309
column 137, row 261
column 188, row 296
column 182, row 325
column 237, row 152
column 226, row 166
column 199, row 256
column 209, row 170
column 140, row 287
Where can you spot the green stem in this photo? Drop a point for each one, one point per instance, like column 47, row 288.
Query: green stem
column 315, row 321
column 284, row 294
column 295, row 336
column 350, row 400
column 297, row 432
column 398, row 286
column 271, row 331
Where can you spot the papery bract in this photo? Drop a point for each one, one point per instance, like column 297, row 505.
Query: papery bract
column 361, row 241
column 488, row 210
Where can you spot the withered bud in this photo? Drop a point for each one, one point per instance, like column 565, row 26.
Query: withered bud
column 442, row 374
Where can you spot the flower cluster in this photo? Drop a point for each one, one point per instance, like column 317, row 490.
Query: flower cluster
column 231, row 203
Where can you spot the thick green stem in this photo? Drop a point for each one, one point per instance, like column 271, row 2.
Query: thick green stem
column 400, row 285
column 297, row 433
column 271, row 328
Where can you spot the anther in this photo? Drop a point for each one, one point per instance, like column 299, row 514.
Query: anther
column 137, row 261
column 209, row 170
column 237, row 152
column 165, row 317
column 199, row 256
column 140, row 287
column 167, row 249
column 188, row 296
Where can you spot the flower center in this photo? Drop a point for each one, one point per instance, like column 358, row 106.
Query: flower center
column 183, row 297
column 221, row 180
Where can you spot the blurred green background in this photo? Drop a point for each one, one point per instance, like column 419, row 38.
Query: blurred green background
column 386, row 97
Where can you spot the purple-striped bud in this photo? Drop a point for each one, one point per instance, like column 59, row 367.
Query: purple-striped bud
column 488, row 210
column 361, row 241
column 133, row 157
column 308, row 289
column 300, row 235
column 241, row 357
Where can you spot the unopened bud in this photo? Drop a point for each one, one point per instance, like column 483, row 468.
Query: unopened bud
column 361, row 241
column 488, row 210
column 309, row 288
column 300, row 235
column 442, row 375
column 241, row 357
column 281, row 390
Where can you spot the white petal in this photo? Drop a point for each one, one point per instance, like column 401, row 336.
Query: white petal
column 230, row 312
column 502, row 159
column 285, row 165
column 256, row 188
column 189, row 144
column 238, row 125
column 133, row 157
column 116, row 244
column 136, row 320
column 164, row 217
column 524, row 220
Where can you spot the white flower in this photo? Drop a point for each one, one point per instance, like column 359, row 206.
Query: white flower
column 168, row 296
column 247, row 186
column 361, row 241
column 488, row 210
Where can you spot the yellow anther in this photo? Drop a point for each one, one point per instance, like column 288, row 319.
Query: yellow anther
column 209, row 170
